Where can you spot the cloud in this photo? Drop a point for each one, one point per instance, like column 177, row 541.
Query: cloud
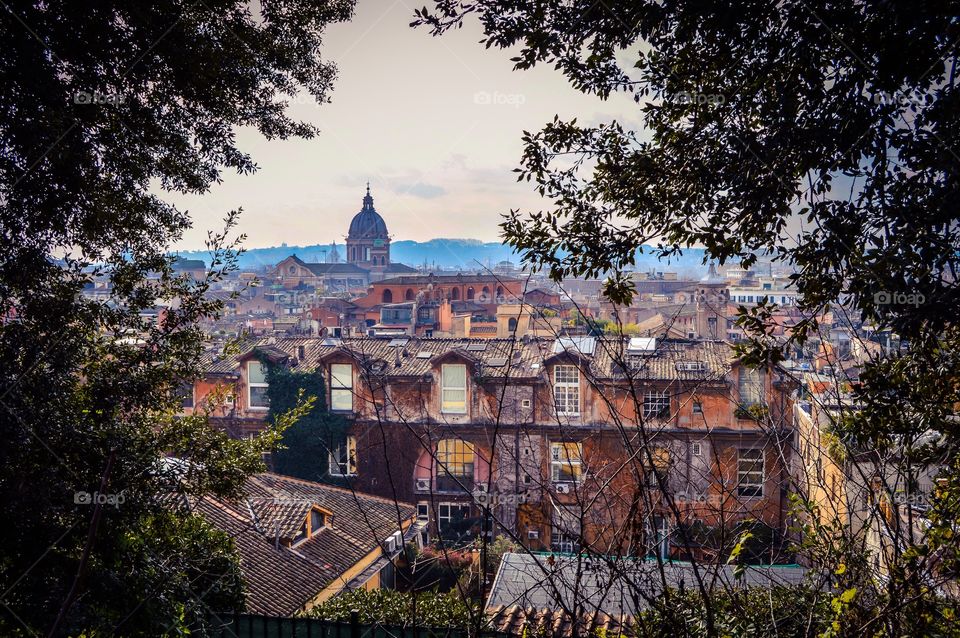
column 421, row 190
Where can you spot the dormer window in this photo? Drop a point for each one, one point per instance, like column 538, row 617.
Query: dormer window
column 453, row 381
column 341, row 387
column 566, row 390
column 316, row 520
column 257, row 397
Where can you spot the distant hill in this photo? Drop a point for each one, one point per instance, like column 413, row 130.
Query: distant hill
column 466, row 254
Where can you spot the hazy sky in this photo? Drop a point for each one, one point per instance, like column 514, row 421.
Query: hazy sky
column 433, row 123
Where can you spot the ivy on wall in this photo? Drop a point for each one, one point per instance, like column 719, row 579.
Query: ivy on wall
column 304, row 449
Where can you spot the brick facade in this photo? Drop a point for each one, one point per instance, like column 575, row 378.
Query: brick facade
column 670, row 418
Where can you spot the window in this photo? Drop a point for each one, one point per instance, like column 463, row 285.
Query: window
column 750, row 473
column 696, row 449
column 452, row 515
column 423, row 511
column 257, row 386
column 453, row 388
column 566, row 462
column 185, row 392
column 697, row 407
column 566, row 390
column 658, row 472
column 750, row 386
column 341, row 387
column 656, row 405
column 317, row 521
column 565, row 525
column 455, row 457
column 343, row 458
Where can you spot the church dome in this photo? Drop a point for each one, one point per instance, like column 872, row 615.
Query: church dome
column 368, row 224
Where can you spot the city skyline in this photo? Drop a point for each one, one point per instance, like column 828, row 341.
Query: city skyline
column 439, row 155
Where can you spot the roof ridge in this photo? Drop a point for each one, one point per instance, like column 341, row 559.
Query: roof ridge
column 364, row 495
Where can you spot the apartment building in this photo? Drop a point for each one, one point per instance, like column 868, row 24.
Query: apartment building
column 606, row 443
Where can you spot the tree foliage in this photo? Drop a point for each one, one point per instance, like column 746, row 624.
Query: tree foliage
column 307, row 444
column 821, row 135
column 105, row 107
column 399, row 609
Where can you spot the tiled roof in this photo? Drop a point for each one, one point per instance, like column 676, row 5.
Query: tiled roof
column 610, row 359
column 519, row 621
column 281, row 580
column 446, row 280
column 619, row 588
column 341, row 268
column 395, row 267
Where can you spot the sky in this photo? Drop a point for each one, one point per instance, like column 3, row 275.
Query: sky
column 434, row 123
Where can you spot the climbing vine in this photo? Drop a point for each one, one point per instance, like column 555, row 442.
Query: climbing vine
column 304, row 449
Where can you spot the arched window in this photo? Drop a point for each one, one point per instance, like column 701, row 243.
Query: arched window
column 486, row 293
column 470, row 293
column 455, row 294
column 499, row 293
column 387, row 296
column 408, row 296
column 454, row 462
column 512, row 324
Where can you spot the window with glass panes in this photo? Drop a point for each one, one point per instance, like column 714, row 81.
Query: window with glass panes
column 656, row 404
column 566, row 390
column 343, row 458
column 750, row 386
column 449, row 515
column 341, row 387
column 564, row 528
column 750, row 472
column 566, row 462
column 455, row 457
column 257, row 386
column 453, row 385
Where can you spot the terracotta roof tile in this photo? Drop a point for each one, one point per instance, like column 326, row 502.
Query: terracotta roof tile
column 407, row 357
column 280, row 579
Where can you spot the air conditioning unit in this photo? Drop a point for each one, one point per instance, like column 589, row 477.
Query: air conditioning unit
column 533, row 534
column 563, row 488
column 423, row 485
